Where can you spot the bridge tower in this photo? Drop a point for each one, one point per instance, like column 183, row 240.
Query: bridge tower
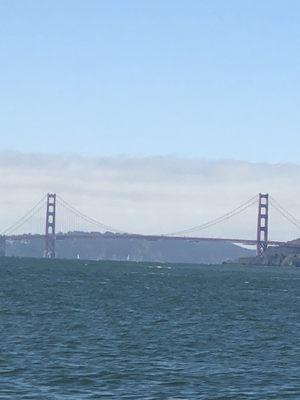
column 262, row 224
column 50, row 226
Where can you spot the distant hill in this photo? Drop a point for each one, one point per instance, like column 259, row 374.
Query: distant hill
column 134, row 250
column 284, row 255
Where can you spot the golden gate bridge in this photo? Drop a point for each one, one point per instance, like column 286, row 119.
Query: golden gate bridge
column 53, row 202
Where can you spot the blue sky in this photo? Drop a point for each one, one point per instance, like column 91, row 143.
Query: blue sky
column 210, row 79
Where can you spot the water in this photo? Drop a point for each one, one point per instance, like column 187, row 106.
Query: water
column 137, row 331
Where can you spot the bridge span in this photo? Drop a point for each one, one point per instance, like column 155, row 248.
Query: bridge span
column 136, row 236
column 50, row 236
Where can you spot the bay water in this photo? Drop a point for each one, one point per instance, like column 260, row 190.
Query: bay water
column 109, row 330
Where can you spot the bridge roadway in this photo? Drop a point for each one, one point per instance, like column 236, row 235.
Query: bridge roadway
column 98, row 235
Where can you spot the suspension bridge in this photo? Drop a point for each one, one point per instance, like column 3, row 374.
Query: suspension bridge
column 53, row 212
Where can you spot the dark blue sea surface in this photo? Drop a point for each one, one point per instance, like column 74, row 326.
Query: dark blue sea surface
column 143, row 331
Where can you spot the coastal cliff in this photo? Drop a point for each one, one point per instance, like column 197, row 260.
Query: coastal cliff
column 288, row 255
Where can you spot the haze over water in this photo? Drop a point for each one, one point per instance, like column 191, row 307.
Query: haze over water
column 143, row 331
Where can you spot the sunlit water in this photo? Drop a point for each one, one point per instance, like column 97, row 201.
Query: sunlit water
column 138, row 331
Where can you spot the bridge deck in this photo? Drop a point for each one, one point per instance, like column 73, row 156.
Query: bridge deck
column 96, row 235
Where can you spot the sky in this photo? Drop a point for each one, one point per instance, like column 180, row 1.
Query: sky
column 208, row 79
column 151, row 116
column 153, row 195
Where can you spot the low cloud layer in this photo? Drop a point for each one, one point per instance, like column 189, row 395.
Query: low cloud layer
column 151, row 194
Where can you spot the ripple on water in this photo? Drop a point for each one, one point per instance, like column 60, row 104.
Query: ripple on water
column 121, row 331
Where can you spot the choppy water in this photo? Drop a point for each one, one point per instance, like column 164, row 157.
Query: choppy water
column 121, row 331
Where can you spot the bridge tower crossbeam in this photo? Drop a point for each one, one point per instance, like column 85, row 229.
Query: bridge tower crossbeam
column 262, row 224
column 50, row 226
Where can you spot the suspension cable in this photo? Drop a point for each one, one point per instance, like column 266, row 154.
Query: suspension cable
column 21, row 221
column 275, row 202
column 218, row 220
column 287, row 215
column 87, row 218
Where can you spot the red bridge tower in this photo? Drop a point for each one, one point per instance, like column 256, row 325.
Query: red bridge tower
column 50, row 226
column 262, row 223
